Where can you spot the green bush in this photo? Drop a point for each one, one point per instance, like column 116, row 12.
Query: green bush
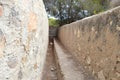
column 53, row 22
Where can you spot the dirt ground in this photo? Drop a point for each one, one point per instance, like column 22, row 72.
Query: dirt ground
column 50, row 71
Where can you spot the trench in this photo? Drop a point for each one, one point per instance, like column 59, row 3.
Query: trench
column 60, row 64
column 50, row 71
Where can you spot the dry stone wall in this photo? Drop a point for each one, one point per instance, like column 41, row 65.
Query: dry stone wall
column 95, row 43
column 23, row 39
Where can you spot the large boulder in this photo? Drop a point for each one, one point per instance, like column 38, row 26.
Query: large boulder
column 23, row 39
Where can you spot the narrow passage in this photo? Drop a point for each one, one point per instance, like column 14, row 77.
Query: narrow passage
column 50, row 71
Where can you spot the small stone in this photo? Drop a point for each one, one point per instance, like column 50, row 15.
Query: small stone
column 118, row 74
column 93, row 29
column 118, row 28
column 101, row 75
column 88, row 60
column 118, row 58
column 93, row 72
column 111, row 22
column 51, row 43
column 53, row 68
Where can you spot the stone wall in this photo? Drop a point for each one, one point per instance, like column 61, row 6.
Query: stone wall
column 23, row 39
column 95, row 43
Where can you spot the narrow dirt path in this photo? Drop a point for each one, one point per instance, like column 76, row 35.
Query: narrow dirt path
column 50, row 71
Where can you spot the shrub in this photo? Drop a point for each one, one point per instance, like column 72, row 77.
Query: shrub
column 53, row 22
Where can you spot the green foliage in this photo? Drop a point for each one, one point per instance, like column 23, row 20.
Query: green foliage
column 53, row 22
column 95, row 6
column 68, row 11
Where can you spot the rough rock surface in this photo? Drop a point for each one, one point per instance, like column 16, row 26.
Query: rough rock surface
column 95, row 43
column 23, row 39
